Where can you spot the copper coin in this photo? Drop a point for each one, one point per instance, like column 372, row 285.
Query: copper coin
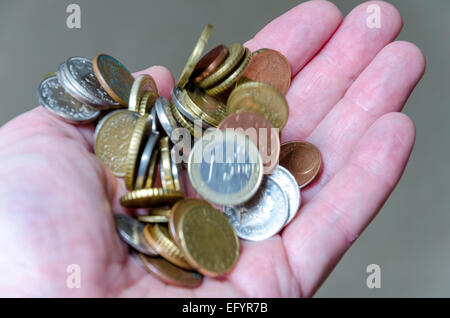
column 271, row 67
column 260, row 131
column 159, row 238
column 114, row 77
column 302, row 159
column 170, row 274
column 210, row 62
column 177, row 211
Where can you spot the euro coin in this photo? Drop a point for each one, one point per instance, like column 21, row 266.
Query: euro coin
column 144, row 83
column 147, row 198
column 132, row 232
column 260, row 98
column 112, row 139
column 195, row 56
column 210, row 62
column 288, row 184
column 210, row 109
column 114, row 78
column 208, row 241
column 225, row 167
column 145, row 162
column 166, row 166
column 302, row 159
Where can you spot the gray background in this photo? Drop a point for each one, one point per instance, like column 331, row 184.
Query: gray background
column 409, row 239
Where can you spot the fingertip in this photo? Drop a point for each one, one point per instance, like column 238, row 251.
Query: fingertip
column 163, row 78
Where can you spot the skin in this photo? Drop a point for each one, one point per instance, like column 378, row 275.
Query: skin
column 349, row 84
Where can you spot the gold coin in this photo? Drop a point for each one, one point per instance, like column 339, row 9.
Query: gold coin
column 170, row 274
column 140, row 133
column 160, row 212
column 235, row 54
column 112, row 139
column 165, row 165
column 260, row 98
column 210, row 109
column 147, row 102
column 153, row 219
column 147, row 198
column 208, row 240
column 176, row 213
column 195, row 56
column 151, row 170
column 159, row 238
column 186, row 123
column 232, row 78
column 144, row 83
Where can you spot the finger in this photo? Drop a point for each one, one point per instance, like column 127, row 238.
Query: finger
column 383, row 87
column 331, row 222
column 163, row 78
column 323, row 82
column 299, row 33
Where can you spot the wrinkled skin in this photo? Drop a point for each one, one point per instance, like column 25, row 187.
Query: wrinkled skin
column 349, row 84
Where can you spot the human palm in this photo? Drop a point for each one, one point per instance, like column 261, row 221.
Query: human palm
column 349, row 82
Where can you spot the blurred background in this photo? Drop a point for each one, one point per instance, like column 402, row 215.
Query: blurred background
column 410, row 237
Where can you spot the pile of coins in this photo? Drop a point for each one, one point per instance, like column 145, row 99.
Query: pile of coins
column 232, row 102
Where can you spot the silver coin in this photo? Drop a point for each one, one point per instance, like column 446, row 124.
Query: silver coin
column 78, row 78
column 144, row 164
column 132, row 232
column 225, row 167
column 177, row 169
column 177, row 100
column 263, row 216
column 290, row 187
column 165, row 117
column 54, row 97
column 154, row 120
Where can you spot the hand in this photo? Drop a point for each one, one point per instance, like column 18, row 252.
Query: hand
column 349, row 82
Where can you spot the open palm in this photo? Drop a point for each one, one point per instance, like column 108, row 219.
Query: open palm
column 349, row 82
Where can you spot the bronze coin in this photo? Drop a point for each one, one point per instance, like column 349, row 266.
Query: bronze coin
column 271, row 67
column 159, row 238
column 302, row 159
column 114, row 78
column 170, row 274
column 210, row 62
column 177, row 212
column 260, row 131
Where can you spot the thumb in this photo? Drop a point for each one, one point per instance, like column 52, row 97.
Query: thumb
column 163, row 78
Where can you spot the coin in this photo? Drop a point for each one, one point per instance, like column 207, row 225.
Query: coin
column 302, row 159
column 159, row 238
column 147, row 103
column 171, row 274
column 153, row 219
column 208, row 241
column 225, row 167
column 210, row 62
column 289, row 186
column 143, row 83
column 271, row 67
column 51, row 74
column 150, row 180
column 131, row 231
column 146, row 198
column 195, row 56
column 261, row 98
column 54, row 98
column 260, row 131
column 210, row 109
column 182, row 106
column 140, row 134
column 185, row 123
column 232, row 77
column 112, row 139
column 114, row 77
column 177, row 169
column 165, row 117
column 161, row 211
column 176, row 213
column 145, row 162
column 235, row 54
column 165, row 165
column 77, row 77
column 263, row 216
